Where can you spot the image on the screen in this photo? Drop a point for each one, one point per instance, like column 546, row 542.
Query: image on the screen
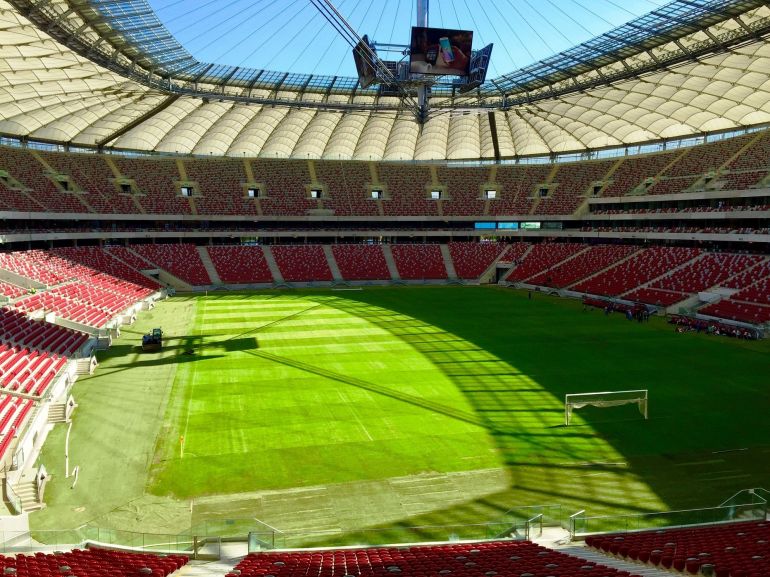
column 440, row 51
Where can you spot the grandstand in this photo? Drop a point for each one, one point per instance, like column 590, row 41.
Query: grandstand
column 376, row 291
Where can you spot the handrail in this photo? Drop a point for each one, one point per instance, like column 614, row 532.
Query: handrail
column 536, row 519
column 572, row 523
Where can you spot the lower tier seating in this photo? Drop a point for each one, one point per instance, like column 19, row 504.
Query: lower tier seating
column 240, row 264
column 361, row 261
column 181, row 260
column 419, row 261
column 542, row 257
column 302, row 263
column 738, row 311
column 503, row 558
column 471, row 259
column 732, row 550
column 92, row 563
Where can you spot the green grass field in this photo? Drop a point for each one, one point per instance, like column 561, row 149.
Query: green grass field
column 380, row 409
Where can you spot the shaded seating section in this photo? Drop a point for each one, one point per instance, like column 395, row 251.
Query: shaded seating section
column 641, row 268
column 361, row 261
column 573, row 184
column 542, row 257
column 518, row 187
column 181, row 260
column 755, row 156
column 285, row 181
column 407, row 188
column 759, row 291
column 92, row 174
column 658, row 297
column 221, row 186
column 464, row 188
column 419, row 261
column 738, row 311
column 584, row 264
column 706, row 272
column 155, row 178
column 634, row 171
column 302, row 263
column 345, row 184
column 472, row 259
column 101, row 260
column 240, row 264
column 732, row 550
column 504, row 558
column 93, row 563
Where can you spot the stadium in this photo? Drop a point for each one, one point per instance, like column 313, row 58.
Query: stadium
column 442, row 309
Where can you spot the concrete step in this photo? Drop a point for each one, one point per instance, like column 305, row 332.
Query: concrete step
column 272, row 265
column 390, row 262
column 634, row 568
column 336, row 274
column 209, row 265
column 448, row 264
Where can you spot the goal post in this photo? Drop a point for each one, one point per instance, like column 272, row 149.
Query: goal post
column 604, row 399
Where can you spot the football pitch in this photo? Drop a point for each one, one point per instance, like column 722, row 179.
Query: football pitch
column 337, row 412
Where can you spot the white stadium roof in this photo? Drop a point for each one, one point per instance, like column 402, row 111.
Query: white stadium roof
column 69, row 75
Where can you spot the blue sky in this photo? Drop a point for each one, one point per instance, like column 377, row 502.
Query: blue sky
column 292, row 34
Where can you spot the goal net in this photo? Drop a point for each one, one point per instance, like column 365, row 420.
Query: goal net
column 605, row 399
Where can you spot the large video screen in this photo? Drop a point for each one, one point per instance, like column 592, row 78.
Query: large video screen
column 440, row 51
column 362, row 55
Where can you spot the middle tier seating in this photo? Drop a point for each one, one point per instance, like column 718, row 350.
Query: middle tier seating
column 504, row 558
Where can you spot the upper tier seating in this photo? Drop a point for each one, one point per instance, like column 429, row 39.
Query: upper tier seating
column 302, row 263
column 505, row 558
column 518, row 188
column 240, row 264
column 573, row 182
column 698, row 160
column 584, row 264
column 156, row 178
column 733, row 549
column 464, row 189
column 635, row 170
column 706, row 272
column 345, row 183
column 542, row 257
column 285, row 181
column 93, row 563
column 361, row 261
column 419, row 261
column 221, row 186
column 181, row 260
column 472, row 259
column 92, row 174
column 755, row 156
column 406, row 186
column 641, row 268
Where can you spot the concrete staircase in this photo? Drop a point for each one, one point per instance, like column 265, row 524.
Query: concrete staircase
column 332, row 262
column 390, row 262
column 272, row 265
column 448, row 263
column 209, row 265
column 596, row 557
column 57, row 413
column 27, row 493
